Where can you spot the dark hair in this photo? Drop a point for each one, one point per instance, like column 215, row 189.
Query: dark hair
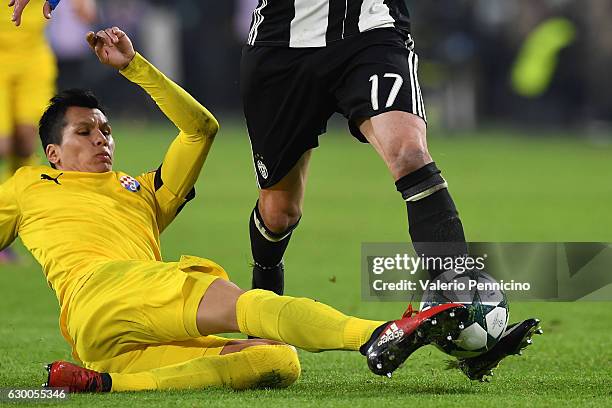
column 52, row 121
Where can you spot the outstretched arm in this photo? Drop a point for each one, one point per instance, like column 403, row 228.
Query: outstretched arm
column 197, row 125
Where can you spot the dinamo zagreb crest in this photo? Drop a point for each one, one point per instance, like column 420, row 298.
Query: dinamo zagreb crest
column 130, row 183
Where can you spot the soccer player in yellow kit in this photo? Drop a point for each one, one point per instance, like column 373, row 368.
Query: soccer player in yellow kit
column 27, row 81
column 134, row 321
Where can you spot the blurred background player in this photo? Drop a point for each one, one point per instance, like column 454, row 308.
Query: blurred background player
column 27, row 80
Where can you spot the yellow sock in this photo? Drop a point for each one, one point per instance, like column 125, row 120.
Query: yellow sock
column 301, row 322
column 254, row 367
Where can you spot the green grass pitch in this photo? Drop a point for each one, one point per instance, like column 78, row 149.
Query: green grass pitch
column 508, row 187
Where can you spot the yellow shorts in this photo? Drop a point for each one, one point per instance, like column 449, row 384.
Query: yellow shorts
column 126, row 310
column 155, row 356
column 26, row 85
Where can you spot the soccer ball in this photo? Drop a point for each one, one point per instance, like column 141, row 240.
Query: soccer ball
column 488, row 311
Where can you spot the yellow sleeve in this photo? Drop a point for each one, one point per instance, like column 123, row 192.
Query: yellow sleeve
column 10, row 214
column 175, row 178
column 167, row 204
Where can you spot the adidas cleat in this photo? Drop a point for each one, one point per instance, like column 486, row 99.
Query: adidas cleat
column 392, row 343
column 76, row 379
column 515, row 339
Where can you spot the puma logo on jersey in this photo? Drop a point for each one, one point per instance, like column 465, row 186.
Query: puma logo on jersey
column 392, row 333
column 48, row 177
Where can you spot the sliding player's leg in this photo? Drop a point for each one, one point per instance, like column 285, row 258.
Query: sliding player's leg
column 254, row 366
column 301, row 322
column 314, row 326
column 260, row 363
column 127, row 306
column 199, row 363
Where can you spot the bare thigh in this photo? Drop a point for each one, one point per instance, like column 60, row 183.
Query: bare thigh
column 217, row 309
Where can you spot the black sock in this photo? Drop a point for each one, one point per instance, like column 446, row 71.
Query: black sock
column 107, row 382
column 268, row 249
column 432, row 215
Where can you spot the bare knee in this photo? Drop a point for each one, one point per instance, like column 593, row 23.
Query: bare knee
column 400, row 138
column 408, row 150
column 408, row 158
column 280, row 205
column 278, row 210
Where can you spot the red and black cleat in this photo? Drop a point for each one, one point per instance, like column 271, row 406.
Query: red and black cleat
column 76, row 379
column 515, row 339
column 392, row 343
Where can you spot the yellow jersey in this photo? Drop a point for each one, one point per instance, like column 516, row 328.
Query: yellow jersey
column 28, row 37
column 74, row 221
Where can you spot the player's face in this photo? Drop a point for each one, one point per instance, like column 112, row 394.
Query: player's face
column 87, row 143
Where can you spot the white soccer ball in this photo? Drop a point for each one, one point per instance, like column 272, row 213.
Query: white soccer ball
column 488, row 311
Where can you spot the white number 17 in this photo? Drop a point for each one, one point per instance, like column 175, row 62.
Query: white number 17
column 394, row 90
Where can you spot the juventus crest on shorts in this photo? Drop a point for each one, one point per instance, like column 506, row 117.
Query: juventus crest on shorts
column 316, row 23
